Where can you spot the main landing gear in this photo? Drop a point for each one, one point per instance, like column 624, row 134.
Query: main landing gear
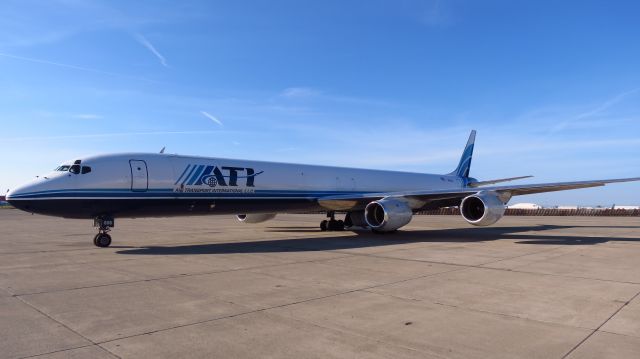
column 104, row 224
column 331, row 224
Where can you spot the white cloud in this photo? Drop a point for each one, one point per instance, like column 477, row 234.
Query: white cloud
column 108, row 135
column 211, row 117
column 87, row 116
column 299, row 92
column 144, row 42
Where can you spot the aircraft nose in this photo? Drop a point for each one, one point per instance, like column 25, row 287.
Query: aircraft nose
column 10, row 194
column 13, row 195
column 18, row 191
column 22, row 197
column 21, row 191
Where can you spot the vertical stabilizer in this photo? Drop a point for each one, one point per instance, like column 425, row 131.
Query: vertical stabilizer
column 465, row 161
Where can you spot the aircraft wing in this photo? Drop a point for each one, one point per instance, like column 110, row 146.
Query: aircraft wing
column 494, row 181
column 452, row 197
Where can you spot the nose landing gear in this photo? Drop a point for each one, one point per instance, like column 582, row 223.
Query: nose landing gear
column 331, row 224
column 104, row 224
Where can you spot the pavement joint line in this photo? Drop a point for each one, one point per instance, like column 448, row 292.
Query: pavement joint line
column 11, row 293
column 346, row 254
column 523, row 255
column 64, row 326
column 612, row 245
column 481, row 266
column 267, row 308
column 168, row 277
column 480, row 311
column 83, row 262
column 59, row 351
column 265, row 254
column 539, row 260
column 339, row 330
column 601, row 325
column 566, row 276
column 621, row 334
column 50, row 251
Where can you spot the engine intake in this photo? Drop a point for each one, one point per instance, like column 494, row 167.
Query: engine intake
column 255, row 218
column 387, row 215
column 482, row 209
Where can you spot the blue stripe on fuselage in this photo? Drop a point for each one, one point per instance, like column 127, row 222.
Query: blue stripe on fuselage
column 189, row 175
column 168, row 193
column 183, row 173
column 196, row 175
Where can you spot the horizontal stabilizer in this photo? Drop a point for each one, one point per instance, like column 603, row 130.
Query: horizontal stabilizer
column 500, row 180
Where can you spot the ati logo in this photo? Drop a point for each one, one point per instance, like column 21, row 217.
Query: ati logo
column 212, row 176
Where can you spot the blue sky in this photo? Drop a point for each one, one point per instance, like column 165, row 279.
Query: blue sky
column 553, row 88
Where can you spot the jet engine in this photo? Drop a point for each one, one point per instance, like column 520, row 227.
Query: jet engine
column 482, row 209
column 255, row 218
column 387, row 214
column 355, row 219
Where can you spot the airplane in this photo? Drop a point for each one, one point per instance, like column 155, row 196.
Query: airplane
column 134, row 185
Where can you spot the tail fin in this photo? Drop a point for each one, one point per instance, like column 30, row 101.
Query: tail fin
column 465, row 161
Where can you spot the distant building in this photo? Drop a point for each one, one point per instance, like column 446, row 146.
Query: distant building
column 626, row 207
column 567, row 207
column 525, row 206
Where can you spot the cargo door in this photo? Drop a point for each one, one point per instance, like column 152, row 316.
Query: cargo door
column 139, row 175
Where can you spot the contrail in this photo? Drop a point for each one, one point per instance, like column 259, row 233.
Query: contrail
column 74, row 67
column 144, row 42
column 597, row 110
column 105, row 135
column 211, row 117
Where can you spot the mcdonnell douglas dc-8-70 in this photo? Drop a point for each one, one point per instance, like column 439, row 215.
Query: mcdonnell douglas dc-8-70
column 134, row 185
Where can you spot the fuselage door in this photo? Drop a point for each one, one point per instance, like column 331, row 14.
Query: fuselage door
column 139, row 175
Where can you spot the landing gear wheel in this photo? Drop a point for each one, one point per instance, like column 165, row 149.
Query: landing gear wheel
column 102, row 240
column 334, row 225
column 104, row 224
column 331, row 224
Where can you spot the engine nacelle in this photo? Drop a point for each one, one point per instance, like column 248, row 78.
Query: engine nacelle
column 255, row 217
column 482, row 209
column 387, row 215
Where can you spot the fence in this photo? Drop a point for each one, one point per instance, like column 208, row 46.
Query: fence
column 451, row 211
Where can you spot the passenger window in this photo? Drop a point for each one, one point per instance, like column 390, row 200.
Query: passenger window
column 86, row 169
column 75, row 169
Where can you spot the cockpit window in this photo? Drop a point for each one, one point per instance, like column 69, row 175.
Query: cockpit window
column 86, row 169
column 75, row 169
column 63, row 168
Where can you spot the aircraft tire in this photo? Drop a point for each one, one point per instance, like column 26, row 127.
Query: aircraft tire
column 324, row 225
column 102, row 240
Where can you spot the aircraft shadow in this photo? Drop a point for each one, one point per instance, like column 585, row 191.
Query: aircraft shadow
column 365, row 239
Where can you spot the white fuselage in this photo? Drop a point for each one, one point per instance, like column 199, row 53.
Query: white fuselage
column 133, row 184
